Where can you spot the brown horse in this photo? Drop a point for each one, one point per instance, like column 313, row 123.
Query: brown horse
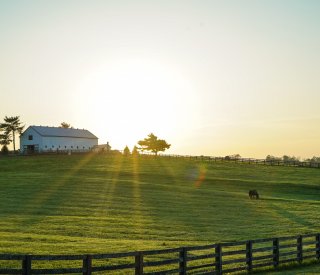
column 253, row 194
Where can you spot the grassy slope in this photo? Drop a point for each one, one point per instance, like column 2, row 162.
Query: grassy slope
column 90, row 204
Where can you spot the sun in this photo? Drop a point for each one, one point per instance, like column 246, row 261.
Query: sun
column 128, row 99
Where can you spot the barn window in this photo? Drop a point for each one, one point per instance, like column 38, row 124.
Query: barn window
column 77, row 147
column 83, row 147
column 46, row 146
column 52, row 146
column 71, row 146
column 30, row 137
column 65, row 146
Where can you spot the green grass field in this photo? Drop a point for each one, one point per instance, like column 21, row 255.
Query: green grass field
column 84, row 204
column 90, row 204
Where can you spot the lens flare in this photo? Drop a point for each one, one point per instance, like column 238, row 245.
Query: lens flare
column 201, row 176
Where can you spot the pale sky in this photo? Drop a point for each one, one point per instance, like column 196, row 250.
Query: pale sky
column 210, row 77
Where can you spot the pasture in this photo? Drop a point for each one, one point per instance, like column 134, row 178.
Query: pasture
column 82, row 204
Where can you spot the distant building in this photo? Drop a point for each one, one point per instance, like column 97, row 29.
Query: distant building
column 102, row 148
column 38, row 139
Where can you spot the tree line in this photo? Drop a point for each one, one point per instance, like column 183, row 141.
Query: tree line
column 12, row 126
column 286, row 158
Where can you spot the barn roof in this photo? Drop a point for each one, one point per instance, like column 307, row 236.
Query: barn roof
column 62, row 132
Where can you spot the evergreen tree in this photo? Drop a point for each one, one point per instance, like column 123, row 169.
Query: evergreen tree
column 135, row 151
column 126, row 151
column 4, row 150
column 10, row 127
column 4, row 141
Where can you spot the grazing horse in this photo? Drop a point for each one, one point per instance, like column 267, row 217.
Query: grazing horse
column 253, row 194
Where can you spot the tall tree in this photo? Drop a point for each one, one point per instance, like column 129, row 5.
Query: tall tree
column 11, row 126
column 4, row 140
column 65, row 125
column 153, row 144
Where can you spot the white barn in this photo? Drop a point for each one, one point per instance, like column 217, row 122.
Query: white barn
column 38, row 139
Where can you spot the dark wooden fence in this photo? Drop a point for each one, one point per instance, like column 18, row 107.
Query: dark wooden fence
column 218, row 258
column 271, row 162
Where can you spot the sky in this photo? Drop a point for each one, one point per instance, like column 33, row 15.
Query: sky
column 211, row 77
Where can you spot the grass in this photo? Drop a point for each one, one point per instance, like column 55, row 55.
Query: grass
column 98, row 204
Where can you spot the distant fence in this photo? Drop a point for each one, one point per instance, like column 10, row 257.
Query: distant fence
column 207, row 259
column 272, row 162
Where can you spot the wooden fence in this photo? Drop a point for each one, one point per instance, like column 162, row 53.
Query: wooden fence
column 218, row 258
column 271, row 162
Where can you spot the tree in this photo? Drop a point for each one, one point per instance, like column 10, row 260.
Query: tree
column 286, row 158
column 126, row 151
column 153, row 144
column 4, row 141
column 232, row 157
column 65, row 125
column 271, row 158
column 4, row 150
column 11, row 126
column 135, row 151
column 314, row 159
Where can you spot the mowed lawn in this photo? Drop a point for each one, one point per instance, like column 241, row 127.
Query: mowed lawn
column 94, row 203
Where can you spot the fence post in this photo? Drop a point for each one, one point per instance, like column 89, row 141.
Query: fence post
column 275, row 252
column 299, row 249
column 26, row 265
column 139, row 264
column 218, row 259
column 249, row 255
column 87, row 265
column 318, row 246
column 183, row 261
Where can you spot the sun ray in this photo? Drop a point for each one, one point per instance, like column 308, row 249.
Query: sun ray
column 138, row 216
column 42, row 197
column 117, row 162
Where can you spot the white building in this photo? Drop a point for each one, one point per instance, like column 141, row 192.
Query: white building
column 50, row 139
column 102, row 148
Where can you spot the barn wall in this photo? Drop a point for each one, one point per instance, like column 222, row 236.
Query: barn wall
column 67, row 143
column 24, row 139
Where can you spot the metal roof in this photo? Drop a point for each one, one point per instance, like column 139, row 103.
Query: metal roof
column 62, row 132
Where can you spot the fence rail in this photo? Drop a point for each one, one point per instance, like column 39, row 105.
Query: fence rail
column 218, row 258
column 271, row 162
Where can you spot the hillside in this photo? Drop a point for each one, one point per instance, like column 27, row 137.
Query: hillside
column 92, row 203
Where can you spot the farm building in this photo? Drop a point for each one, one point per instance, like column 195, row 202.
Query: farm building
column 102, row 148
column 37, row 139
